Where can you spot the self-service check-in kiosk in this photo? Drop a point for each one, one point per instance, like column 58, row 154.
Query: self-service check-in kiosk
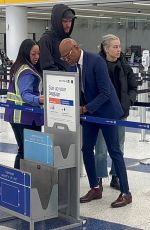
column 47, row 186
column 62, row 121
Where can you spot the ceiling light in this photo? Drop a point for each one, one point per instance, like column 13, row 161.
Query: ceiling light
column 90, row 16
column 112, row 11
column 141, row 4
column 35, row 12
column 36, row 18
column 134, row 19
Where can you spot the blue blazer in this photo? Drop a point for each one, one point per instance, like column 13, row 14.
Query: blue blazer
column 99, row 93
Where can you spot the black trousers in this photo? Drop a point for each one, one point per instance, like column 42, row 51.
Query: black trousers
column 110, row 133
column 19, row 135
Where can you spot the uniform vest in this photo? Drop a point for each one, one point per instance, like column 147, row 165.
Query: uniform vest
column 13, row 97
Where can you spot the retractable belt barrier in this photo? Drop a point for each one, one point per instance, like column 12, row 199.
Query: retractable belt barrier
column 91, row 119
column 99, row 120
column 143, row 77
column 3, row 92
column 23, row 108
column 141, row 104
column 4, row 80
column 143, row 91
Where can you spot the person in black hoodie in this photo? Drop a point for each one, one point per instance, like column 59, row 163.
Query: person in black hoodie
column 124, row 81
column 62, row 23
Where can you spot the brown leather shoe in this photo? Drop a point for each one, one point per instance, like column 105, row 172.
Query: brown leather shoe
column 93, row 194
column 122, row 200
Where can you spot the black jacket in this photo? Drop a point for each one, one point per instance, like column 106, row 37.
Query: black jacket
column 50, row 40
column 127, row 82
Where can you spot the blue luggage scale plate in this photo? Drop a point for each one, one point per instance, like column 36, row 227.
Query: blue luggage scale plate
column 38, row 147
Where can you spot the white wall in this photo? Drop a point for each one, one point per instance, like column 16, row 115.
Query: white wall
column 37, row 27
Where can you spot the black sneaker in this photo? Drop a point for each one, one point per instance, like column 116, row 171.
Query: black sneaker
column 115, row 183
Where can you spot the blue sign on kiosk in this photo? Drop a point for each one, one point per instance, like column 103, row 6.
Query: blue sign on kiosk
column 15, row 190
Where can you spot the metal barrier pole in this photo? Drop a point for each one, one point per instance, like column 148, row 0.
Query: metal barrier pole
column 143, row 119
column 139, row 95
column 82, row 174
column 144, row 97
column 145, row 63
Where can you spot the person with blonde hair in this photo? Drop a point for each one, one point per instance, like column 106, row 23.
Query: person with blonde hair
column 125, row 84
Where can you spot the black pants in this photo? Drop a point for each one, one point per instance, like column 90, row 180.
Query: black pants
column 110, row 133
column 19, row 135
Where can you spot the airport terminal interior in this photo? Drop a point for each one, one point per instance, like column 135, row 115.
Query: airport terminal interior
column 130, row 21
column 98, row 213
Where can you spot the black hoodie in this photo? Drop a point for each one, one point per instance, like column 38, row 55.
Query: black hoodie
column 50, row 40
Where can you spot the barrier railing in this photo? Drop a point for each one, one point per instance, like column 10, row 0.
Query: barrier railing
column 23, row 108
column 133, row 124
column 98, row 120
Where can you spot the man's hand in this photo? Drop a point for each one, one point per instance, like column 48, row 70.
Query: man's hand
column 41, row 99
column 83, row 109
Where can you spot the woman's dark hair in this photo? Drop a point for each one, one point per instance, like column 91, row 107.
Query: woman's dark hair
column 23, row 56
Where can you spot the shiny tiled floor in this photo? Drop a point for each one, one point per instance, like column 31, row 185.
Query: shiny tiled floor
column 99, row 214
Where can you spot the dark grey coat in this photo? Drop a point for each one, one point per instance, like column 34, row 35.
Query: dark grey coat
column 128, row 84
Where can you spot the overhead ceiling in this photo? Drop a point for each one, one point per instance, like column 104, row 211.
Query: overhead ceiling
column 97, row 9
column 124, row 9
column 103, row 9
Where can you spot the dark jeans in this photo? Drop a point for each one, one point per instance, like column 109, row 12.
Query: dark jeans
column 19, row 135
column 110, row 133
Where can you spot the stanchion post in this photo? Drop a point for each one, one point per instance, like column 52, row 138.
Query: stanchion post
column 139, row 95
column 82, row 173
column 144, row 97
column 145, row 63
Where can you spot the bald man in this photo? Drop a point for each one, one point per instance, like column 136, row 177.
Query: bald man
column 97, row 98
